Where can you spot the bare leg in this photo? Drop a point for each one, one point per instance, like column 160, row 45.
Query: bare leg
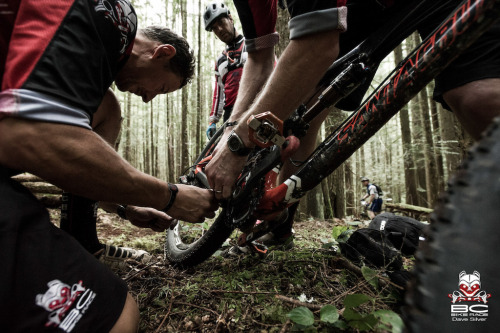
column 475, row 104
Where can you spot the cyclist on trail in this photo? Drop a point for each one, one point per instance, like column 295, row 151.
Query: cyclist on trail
column 320, row 31
column 228, row 66
column 373, row 200
column 56, row 67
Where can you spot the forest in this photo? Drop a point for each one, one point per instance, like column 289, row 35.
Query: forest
column 311, row 288
column 410, row 158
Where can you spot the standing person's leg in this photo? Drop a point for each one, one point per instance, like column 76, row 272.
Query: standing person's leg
column 475, row 104
column 470, row 86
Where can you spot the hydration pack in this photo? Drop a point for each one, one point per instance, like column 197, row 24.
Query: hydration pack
column 404, row 232
column 373, row 248
column 379, row 190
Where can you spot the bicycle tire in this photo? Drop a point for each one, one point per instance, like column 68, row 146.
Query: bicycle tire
column 185, row 255
column 188, row 255
column 464, row 235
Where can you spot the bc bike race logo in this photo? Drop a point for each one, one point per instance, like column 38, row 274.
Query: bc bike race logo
column 469, row 301
column 66, row 304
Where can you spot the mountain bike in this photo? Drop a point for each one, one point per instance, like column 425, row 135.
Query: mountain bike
column 462, row 222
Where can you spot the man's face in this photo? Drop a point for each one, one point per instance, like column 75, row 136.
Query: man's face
column 223, row 29
column 148, row 79
column 364, row 182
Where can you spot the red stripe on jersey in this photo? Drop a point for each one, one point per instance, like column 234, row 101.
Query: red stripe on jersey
column 36, row 24
column 264, row 16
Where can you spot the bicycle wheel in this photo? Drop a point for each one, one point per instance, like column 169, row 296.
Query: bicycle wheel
column 189, row 244
column 461, row 251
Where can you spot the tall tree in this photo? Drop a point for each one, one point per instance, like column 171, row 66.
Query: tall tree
column 406, row 137
column 185, row 108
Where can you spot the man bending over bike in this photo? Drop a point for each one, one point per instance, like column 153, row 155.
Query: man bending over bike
column 56, row 67
column 470, row 86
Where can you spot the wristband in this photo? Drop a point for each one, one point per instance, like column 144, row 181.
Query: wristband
column 173, row 193
column 229, row 124
column 121, row 211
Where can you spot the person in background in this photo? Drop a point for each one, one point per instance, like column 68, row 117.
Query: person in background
column 228, row 66
column 372, row 198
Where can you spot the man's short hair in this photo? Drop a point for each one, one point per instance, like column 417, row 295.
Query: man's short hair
column 183, row 63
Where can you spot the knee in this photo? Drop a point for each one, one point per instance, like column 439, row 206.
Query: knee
column 128, row 322
column 479, row 98
column 475, row 104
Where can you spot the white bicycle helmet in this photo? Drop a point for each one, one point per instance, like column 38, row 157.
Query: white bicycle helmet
column 212, row 12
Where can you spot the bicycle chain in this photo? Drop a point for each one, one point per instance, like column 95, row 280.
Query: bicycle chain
column 242, row 214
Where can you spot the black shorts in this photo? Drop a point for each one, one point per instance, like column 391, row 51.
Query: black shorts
column 480, row 61
column 48, row 281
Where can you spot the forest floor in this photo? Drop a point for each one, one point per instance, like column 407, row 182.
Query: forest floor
column 308, row 288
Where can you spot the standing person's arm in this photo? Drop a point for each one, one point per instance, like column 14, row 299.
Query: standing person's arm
column 297, row 73
column 217, row 104
column 79, row 161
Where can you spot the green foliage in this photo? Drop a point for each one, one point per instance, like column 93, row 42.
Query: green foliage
column 370, row 276
column 338, row 230
column 355, row 317
column 329, row 314
column 302, row 316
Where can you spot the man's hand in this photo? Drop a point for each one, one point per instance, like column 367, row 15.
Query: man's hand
column 211, row 130
column 145, row 217
column 193, row 204
column 224, row 168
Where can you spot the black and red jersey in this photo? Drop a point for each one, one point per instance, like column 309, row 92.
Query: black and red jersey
column 62, row 56
column 228, row 71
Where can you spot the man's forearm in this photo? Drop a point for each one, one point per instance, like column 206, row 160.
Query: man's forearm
column 298, row 71
column 78, row 161
column 256, row 71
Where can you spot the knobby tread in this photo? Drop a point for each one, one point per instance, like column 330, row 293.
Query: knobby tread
column 202, row 249
column 464, row 236
column 189, row 255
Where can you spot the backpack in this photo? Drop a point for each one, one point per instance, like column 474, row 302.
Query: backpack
column 373, row 248
column 402, row 231
column 379, row 190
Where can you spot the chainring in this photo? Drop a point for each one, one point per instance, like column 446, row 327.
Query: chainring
column 249, row 189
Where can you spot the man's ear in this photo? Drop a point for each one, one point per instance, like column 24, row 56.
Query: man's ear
column 164, row 50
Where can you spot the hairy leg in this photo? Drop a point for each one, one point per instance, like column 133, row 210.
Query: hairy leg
column 475, row 104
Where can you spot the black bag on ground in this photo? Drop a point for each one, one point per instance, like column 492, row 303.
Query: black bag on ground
column 402, row 231
column 373, row 248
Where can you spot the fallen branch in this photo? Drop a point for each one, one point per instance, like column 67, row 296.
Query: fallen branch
column 168, row 311
column 383, row 281
column 285, row 327
column 240, row 292
column 199, row 307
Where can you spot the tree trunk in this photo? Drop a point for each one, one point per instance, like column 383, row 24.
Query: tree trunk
column 406, row 137
column 438, row 152
column 431, row 180
column 184, row 125
column 417, row 133
column 349, row 189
